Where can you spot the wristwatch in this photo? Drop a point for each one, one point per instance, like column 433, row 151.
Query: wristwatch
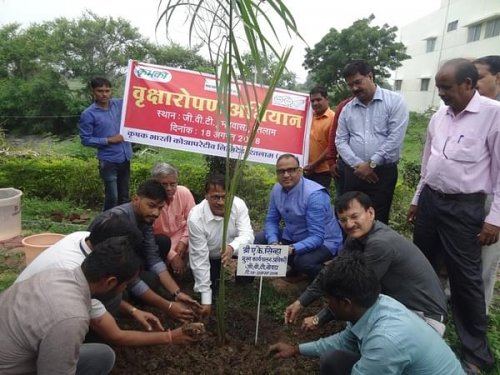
column 372, row 164
column 315, row 320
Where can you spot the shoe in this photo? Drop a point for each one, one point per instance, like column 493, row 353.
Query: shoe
column 470, row 368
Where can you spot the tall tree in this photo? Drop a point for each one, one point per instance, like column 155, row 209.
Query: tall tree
column 377, row 45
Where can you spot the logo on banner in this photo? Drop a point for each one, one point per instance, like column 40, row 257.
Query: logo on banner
column 152, row 74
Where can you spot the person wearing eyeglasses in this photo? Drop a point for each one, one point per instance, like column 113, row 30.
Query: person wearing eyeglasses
column 369, row 138
column 311, row 229
column 170, row 228
column 402, row 270
column 205, row 227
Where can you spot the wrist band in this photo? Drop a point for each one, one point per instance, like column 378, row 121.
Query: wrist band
column 170, row 306
column 169, row 336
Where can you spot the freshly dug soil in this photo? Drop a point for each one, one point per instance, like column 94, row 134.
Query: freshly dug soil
column 238, row 355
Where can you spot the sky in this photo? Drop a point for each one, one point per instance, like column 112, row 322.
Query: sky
column 314, row 17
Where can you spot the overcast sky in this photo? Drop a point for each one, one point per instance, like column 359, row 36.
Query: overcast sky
column 314, row 17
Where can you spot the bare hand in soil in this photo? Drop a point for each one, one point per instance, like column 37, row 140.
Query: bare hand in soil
column 308, row 323
column 187, row 300
column 180, row 312
column 292, row 311
column 283, row 350
column 149, row 321
column 179, row 337
column 195, row 330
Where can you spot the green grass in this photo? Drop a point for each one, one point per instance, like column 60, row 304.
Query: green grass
column 53, row 216
column 10, row 267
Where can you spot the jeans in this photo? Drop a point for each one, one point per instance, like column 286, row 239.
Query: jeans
column 95, row 359
column 116, row 178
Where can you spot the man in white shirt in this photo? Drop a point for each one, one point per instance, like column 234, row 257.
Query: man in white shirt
column 205, row 225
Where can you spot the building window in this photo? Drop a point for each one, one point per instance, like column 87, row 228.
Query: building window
column 474, row 33
column 452, row 26
column 431, row 45
column 424, row 84
column 397, row 84
column 492, row 28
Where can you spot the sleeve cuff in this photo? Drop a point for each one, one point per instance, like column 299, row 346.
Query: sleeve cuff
column 206, row 298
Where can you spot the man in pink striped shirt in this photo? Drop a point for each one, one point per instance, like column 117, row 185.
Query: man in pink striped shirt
column 170, row 228
column 460, row 165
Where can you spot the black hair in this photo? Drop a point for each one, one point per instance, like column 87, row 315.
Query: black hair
column 99, row 82
column 111, row 225
column 492, row 61
column 113, row 257
column 348, row 276
column 464, row 69
column 288, row 156
column 357, row 66
column 152, row 189
column 215, row 179
column 344, row 201
column 319, row 90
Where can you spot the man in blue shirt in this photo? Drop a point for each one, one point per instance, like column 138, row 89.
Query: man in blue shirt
column 381, row 337
column 100, row 128
column 311, row 229
column 369, row 137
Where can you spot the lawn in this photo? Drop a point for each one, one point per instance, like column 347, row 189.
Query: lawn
column 65, row 216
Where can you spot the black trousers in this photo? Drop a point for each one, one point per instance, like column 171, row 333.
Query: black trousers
column 447, row 228
column 323, row 178
column 380, row 193
column 150, row 277
column 338, row 362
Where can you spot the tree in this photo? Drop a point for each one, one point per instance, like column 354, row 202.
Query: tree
column 176, row 56
column 288, row 80
column 374, row 44
column 45, row 68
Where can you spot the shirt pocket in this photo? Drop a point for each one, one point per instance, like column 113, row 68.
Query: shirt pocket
column 380, row 124
column 463, row 149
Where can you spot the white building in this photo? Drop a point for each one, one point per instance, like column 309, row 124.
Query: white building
column 460, row 28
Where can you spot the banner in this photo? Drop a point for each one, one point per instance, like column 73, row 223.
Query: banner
column 177, row 109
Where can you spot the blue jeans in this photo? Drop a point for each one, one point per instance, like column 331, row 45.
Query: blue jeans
column 116, row 178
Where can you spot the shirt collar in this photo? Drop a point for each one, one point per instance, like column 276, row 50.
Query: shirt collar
column 472, row 107
column 207, row 212
column 376, row 96
column 85, row 249
column 323, row 115
column 362, row 327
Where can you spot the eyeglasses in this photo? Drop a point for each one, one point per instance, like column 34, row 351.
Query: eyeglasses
column 216, row 197
column 171, row 184
column 289, row 171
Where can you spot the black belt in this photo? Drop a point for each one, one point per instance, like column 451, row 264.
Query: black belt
column 463, row 197
column 437, row 318
column 388, row 165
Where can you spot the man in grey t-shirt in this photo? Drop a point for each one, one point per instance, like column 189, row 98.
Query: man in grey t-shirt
column 45, row 318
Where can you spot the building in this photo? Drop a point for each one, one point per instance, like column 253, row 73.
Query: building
column 459, row 28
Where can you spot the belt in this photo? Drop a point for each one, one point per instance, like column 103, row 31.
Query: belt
column 437, row 318
column 388, row 165
column 462, row 197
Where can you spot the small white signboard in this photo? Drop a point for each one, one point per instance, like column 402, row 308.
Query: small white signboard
column 263, row 260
